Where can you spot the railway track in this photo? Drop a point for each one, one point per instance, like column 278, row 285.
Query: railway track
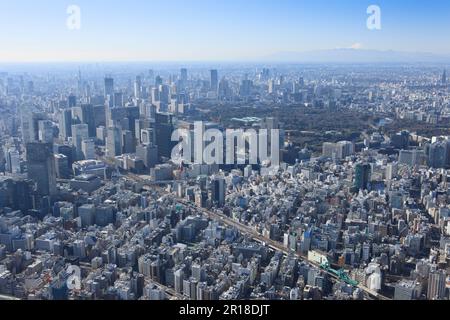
column 253, row 234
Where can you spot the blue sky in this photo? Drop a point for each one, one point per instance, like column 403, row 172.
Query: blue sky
column 192, row 30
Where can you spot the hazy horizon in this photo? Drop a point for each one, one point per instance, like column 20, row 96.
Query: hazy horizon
column 202, row 30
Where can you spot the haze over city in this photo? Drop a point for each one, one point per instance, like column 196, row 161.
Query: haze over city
column 242, row 152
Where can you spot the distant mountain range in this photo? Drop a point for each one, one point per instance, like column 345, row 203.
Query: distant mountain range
column 358, row 56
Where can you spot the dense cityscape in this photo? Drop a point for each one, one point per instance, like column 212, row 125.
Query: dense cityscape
column 94, row 206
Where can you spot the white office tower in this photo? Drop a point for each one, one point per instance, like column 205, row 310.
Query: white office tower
column 374, row 280
column 80, row 132
column 391, row 171
column 114, row 142
column 138, row 87
column 13, row 161
column 88, row 149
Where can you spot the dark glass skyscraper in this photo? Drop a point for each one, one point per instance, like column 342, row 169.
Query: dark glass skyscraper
column 41, row 167
column 362, row 176
column 109, row 86
column 214, row 80
column 109, row 91
column 183, row 76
